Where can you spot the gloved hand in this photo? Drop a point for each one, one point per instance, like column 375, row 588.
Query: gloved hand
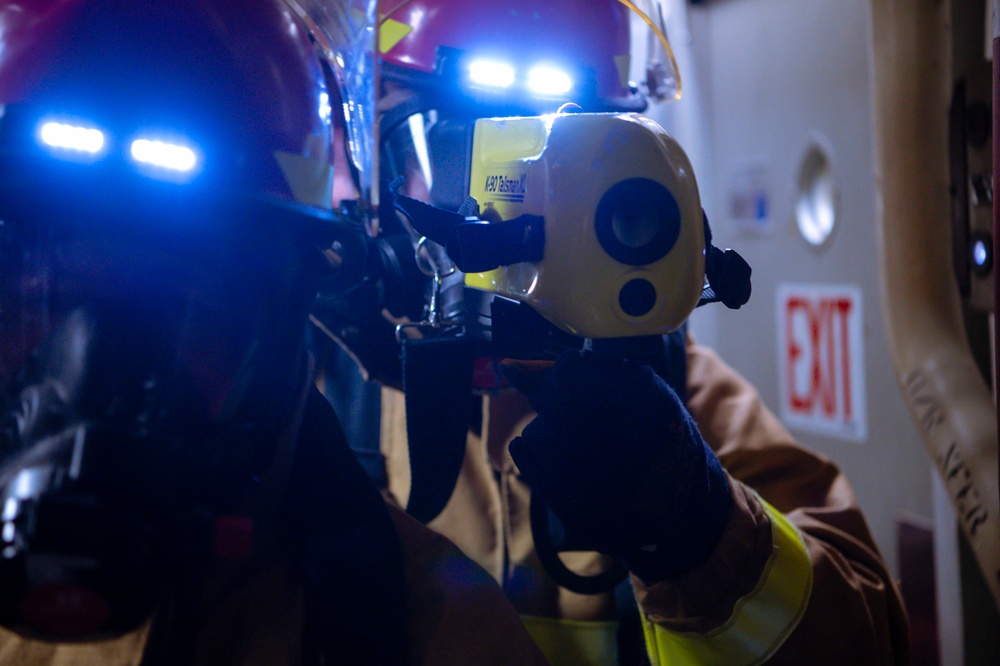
column 621, row 462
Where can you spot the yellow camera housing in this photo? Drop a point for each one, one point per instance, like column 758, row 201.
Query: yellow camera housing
column 624, row 234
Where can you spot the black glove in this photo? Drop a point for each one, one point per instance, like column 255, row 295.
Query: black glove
column 621, row 463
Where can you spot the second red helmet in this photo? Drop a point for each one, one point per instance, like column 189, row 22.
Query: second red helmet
column 528, row 53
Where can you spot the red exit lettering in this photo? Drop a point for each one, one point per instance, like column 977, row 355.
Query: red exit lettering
column 821, row 359
column 825, row 350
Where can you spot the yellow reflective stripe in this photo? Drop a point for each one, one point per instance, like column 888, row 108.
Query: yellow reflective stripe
column 390, row 33
column 761, row 621
column 574, row 642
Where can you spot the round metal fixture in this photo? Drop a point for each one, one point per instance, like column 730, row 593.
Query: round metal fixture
column 815, row 208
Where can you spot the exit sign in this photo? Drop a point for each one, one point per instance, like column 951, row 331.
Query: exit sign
column 821, row 370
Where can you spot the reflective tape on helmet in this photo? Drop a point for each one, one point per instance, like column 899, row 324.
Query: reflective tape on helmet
column 574, row 642
column 761, row 621
column 390, row 33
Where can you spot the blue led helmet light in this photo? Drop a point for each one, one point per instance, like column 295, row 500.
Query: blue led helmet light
column 80, row 141
column 71, row 138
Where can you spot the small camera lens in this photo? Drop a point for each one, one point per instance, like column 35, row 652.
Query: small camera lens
column 637, row 297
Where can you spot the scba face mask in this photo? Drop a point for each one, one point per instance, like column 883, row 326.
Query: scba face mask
column 129, row 381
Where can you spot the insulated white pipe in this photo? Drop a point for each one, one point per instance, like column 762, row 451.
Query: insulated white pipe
column 947, row 396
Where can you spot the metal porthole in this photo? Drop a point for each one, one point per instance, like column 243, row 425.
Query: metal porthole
column 815, row 207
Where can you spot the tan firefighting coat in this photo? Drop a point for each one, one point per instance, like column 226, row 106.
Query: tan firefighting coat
column 796, row 578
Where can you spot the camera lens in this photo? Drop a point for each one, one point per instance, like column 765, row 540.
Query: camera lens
column 637, row 221
column 637, row 297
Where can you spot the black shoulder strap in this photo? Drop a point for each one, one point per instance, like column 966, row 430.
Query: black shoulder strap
column 352, row 558
column 437, row 386
column 358, row 405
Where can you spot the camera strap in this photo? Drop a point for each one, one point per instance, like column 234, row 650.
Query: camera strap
column 437, row 385
column 474, row 244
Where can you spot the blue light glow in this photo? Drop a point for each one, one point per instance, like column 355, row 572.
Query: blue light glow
column 980, row 253
column 171, row 156
column 325, row 110
column 77, row 138
column 491, row 73
column 548, row 80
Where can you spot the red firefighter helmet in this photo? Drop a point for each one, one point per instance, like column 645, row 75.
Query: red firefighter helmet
column 244, row 117
column 144, row 118
column 165, row 182
column 445, row 63
column 531, row 53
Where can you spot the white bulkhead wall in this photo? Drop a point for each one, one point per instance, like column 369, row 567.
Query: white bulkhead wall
column 766, row 82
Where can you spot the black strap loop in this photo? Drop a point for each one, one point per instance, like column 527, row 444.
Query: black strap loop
column 548, row 553
column 482, row 246
column 437, row 383
column 727, row 274
column 473, row 244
